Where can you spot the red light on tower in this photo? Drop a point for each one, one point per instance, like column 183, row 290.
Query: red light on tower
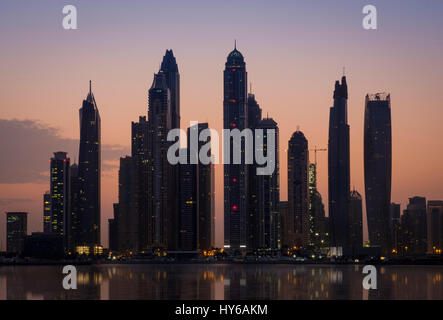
column 234, row 207
column 235, row 180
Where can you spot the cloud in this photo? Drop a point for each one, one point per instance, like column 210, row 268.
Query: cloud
column 27, row 145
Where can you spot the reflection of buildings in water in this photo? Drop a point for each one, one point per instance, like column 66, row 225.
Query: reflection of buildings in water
column 2, row 287
column 45, row 282
column 164, row 282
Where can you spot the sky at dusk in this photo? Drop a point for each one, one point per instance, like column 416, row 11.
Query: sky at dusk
column 294, row 51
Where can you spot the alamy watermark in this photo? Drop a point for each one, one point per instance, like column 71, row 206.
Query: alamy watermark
column 239, row 147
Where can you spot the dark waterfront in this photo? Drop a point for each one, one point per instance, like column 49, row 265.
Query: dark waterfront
column 221, row 281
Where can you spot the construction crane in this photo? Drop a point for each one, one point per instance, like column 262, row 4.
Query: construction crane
column 315, row 154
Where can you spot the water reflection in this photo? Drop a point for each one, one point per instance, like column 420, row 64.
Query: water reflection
column 292, row 282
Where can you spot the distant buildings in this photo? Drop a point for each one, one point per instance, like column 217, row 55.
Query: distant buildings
column 355, row 220
column 339, row 171
column 414, row 227
column 89, row 169
column 435, row 227
column 395, row 226
column 16, row 229
column 298, row 190
column 378, row 168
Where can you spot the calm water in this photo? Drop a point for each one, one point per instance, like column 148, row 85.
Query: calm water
column 221, row 282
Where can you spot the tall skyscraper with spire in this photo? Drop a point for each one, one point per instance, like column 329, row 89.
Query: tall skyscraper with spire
column 235, row 116
column 378, row 168
column 89, row 168
column 339, row 171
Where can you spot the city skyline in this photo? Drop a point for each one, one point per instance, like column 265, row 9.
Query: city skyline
column 191, row 108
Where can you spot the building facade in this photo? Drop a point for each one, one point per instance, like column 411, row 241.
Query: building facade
column 267, row 228
column 89, row 171
column 355, row 220
column 378, row 168
column 435, row 227
column 16, row 230
column 339, row 171
column 60, row 195
column 298, row 190
column 235, row 116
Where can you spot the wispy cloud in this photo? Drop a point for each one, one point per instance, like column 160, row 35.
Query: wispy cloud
column 27, row 145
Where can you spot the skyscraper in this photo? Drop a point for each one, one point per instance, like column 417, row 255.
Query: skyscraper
column 435, row 227
column 60, row 195
column 128, row 213
column 139, row 149
column 378, row 164
column 189, row 204
column 267, row 228
column 206, row 197
column 164, row 221
column 339, row 171
column 170, row 68
column 298, row 189
column 47, row 212
column 89, row 173
column 254, row 118
column 16, row 229
column 355, row 220
column 317, row 228
column 235, row 116
column 74, row 223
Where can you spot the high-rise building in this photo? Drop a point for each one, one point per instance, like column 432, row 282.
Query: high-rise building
column 163, row 219
column 414, row 225
column 74, row 225
column 235, row 116
column 16, row 229
column 378, row 168
column 254, row 118
column 339, row 171
column 89, row 169
column 189, row 204
column 113, row 238
column 283, row 208
column 267, row 228
column 317, row 228
column 298, row 190
column 139, row 141
column 169, row 68
column 435, row 227
column 206, row 195
column 47, row 212
column 60, row 195
column 127, row 214
column 355, row 220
